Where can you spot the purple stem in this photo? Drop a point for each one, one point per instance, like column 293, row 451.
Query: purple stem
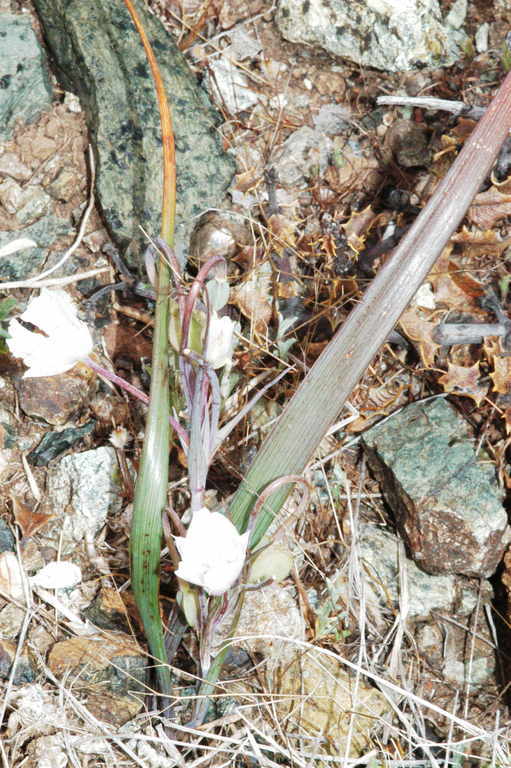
column 134, row 391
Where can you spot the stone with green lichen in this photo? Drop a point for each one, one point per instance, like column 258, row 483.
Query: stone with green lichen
column 27, row 263
column 99, row 56
column 393, row 35
column 445, row 499
column 25, row 89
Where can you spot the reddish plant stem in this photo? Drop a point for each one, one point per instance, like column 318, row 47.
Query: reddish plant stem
column 132, row 390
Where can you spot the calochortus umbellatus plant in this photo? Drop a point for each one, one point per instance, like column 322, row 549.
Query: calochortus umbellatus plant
column 193, row 339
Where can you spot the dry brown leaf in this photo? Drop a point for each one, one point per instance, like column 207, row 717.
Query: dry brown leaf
column 29, row 521
column 489, row 207
column 464, row 381
column 253, row 296
column 465, row 282
column 463, row 128
column 501, row 375
column 122, row 342
column 355, row 173
column 481, row 243
column 420, row 330
column 453, row 286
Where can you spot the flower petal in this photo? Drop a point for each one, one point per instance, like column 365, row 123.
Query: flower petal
column 220, row 340
column 66, row 341
column 212, row 553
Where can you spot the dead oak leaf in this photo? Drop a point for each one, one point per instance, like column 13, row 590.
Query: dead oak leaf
column 501, row 375
column 29, row 521
column 454, row 287
column 463, row 380
column 477, row 243
column 420, row 330
column 489, row 207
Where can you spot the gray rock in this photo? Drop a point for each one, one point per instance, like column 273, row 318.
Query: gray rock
column 229, row 86
column 25, row 89
column 393, row 35
column 304, row 154
column 455, row 653
column 100, row 57
column 25, row 668
column 427, row 594
column 7, row 541
column 27, row 263
column 446, row 502
column 243, row 46
column 265, row 611
column 332, row 119
column 83, row 490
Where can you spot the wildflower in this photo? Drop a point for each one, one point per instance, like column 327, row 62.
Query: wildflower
column 212, row 552
column 64, row 339
column 220, row 340
column 60, row 574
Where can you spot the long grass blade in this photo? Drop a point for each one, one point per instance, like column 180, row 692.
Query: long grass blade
column 151, row 487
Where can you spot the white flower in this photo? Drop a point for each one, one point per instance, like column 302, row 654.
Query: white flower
column 220, row 340
column 59, row 574
column 212, row 552
column 66, row 339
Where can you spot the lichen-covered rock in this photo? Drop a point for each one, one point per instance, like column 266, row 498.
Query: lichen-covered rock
column 112, row 671
column 392, row 35
column 25, row 89
column 427, row 594
column 445, row 499
column 83, row 489
column 318, row 697
column 100, row 57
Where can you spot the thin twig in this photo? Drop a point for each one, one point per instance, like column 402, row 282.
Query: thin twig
column 425, row 102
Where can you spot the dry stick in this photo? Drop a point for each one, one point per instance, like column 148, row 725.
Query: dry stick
column 333, row 377
column 427, row 102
